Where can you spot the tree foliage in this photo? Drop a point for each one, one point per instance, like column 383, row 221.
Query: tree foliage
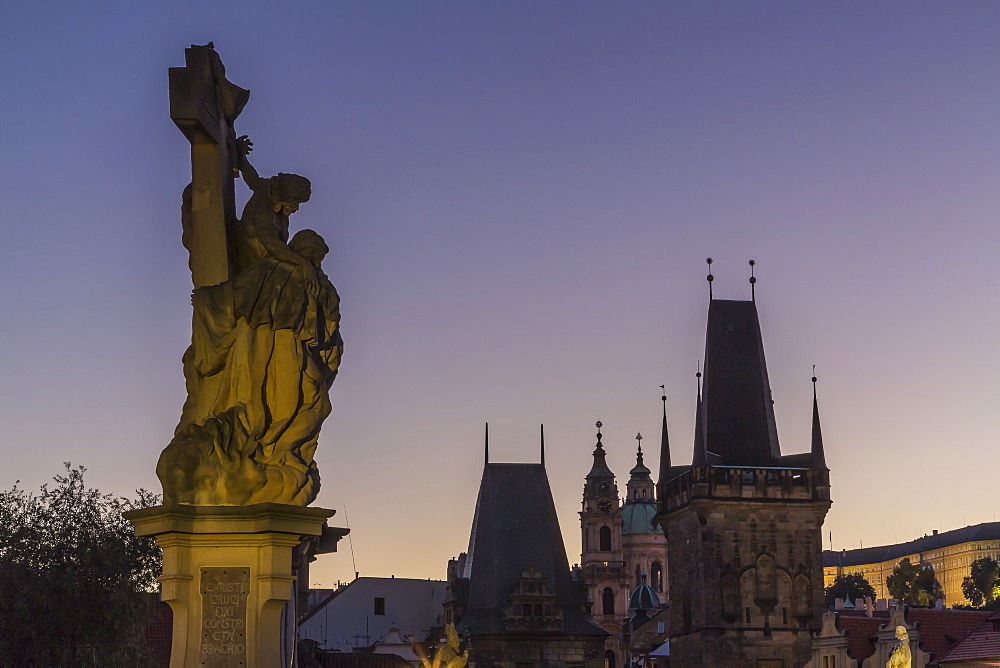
column 852, row 585
column 913, row 584
column 74, row 578
column 982, row 585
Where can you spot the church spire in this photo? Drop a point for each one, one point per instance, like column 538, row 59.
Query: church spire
column 699, row 458
column 818, row 455
column 640, row 484
column 664, row 441
column 600, row 468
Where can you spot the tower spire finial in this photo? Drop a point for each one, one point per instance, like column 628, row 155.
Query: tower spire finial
column 487, row 444
column 664, row 441
column 753, row 281
column 711, row 278
column 599, row 424
column 541, row 434
column 818, row 454
column 700, row 457
column 638, row 437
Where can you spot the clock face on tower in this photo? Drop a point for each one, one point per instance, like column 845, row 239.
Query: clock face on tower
column 604, row 505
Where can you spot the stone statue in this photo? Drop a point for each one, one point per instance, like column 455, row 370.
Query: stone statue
column 265, row 343
column 900, row 657
column 447, row 656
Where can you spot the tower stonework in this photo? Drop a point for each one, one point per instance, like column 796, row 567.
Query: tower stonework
column 743, row 523
column 602, row 560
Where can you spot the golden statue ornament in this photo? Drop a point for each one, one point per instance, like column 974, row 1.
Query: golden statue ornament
column 448, row 655
column 901, row 657
column 265, row 349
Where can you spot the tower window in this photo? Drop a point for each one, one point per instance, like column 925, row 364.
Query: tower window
column 379, row 605
column 608, row 601
column 656, row 575
column 605, row 539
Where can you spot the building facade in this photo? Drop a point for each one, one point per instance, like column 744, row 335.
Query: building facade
column 950, row 554
column 743, row 523
column 619, row 545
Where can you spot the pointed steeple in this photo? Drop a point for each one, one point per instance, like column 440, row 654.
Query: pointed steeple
column 699, row 458
column 664, row 441
column 737, row 412
column 818, row 455
column 600, row 468
column 639, row 472
column 541, row 435
column 640, row 485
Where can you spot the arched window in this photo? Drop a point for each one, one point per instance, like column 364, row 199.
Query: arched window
column 608, row 601
column 656, row 575
column 609, row 659
column 605, row 539
column 638, row 576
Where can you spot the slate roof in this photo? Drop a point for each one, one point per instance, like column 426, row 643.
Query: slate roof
column 515, row 527
column 738, row 411
column 883, row 553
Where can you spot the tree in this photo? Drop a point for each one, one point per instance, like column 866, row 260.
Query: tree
column 74, row 578
column 913, row 584
column 852, row 585
column 982, row 585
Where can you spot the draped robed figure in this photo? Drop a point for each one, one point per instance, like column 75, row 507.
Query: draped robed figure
column 265, row 349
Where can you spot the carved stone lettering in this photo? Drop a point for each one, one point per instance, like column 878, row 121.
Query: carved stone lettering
column 223, row 639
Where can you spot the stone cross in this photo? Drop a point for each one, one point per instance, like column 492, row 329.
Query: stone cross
column 204, row 106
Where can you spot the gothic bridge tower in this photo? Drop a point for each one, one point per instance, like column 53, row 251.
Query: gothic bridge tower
column 743, row 522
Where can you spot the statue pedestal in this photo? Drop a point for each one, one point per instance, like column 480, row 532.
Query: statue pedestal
column 227, row 575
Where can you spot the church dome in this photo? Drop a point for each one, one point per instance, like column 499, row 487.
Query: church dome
column 643, row 598
column 638, row 518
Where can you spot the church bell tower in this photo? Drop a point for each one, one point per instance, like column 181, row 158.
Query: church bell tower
column 602, row 559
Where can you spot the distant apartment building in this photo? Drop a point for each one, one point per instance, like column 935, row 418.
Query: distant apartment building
column 950, row 554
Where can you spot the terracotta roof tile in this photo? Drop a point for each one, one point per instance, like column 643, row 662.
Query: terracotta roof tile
column 982, row 643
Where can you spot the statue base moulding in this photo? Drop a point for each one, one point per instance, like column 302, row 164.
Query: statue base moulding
column 227, row 575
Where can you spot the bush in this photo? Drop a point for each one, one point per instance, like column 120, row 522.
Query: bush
column 74, row 578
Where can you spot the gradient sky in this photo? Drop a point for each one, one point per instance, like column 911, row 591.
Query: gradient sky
column 519, row 198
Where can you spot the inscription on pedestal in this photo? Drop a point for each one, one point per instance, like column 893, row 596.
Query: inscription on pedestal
column 224, row 593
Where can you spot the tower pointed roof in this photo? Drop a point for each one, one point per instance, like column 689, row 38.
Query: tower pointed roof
column 818, row 455
column 664, row 443
column 600, row 468
column 700, row 457
column 639, row 472
column 737, row 411
column 515, row 529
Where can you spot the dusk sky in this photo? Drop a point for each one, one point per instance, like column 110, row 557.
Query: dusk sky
column 519, row 198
